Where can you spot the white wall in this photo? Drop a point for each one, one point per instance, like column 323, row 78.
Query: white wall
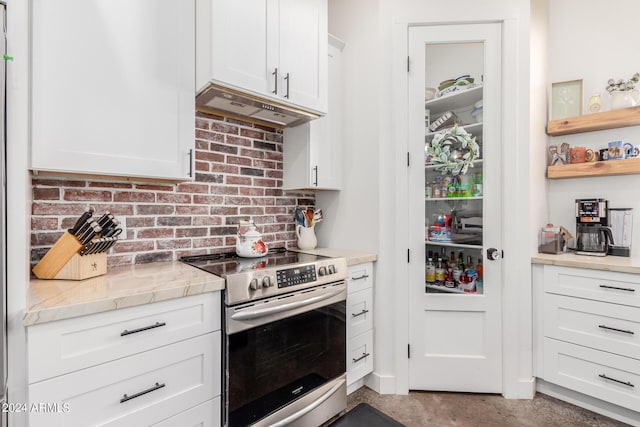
column 369, row 211
column 594, row 44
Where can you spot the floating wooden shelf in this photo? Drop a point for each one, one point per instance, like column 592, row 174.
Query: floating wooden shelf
column 606, row 168
column 593, row 122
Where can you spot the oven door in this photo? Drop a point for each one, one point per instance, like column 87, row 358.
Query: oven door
column 286, row 358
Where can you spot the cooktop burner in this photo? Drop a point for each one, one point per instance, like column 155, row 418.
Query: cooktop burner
column 228, row 263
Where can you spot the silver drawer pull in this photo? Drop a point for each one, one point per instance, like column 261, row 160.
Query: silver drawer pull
column 628, row 383
column 616, row 329
column 617, row 288
column 364, row 356
column 146, row 328
column 359, row 314
column 133, row 396
column 364, row 276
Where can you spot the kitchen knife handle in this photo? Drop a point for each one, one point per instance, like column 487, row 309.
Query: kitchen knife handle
column 275, row 79
column 288, row 80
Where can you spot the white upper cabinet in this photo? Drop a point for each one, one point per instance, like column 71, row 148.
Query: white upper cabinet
column 312, row 152
column 271, row 48
column 112, row 87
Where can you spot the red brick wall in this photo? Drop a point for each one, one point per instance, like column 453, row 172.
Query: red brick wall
column 238, row 176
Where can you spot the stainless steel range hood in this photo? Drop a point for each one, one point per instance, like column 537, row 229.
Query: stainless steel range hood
column 233, row 103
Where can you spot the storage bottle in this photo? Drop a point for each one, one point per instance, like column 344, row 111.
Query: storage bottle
column 430, row 274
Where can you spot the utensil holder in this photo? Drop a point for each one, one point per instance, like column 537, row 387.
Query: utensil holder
column 306, row 237
column 62, row 261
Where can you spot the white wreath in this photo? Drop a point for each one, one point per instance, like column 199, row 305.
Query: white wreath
column 453, row 151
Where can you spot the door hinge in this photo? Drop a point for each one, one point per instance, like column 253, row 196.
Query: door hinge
column 408, row 66
column 408, row 255
column 408, row 351
column 408, row 159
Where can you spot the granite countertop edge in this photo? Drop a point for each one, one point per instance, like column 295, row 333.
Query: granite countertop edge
column 121, row 287
column 353, row 257
column 607, row 263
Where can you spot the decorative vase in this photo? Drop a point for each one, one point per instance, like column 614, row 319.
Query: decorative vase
column 306, row 237
column 624, row 98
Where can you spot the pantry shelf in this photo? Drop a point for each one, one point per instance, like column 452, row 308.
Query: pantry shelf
column 449, row 290
column 612, row 119
column 453, row 245
column 605, row 168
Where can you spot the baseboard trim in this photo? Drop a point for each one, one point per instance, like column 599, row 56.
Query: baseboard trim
column 591, row 403
column 382, row 384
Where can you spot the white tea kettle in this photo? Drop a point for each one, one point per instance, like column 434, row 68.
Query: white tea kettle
column 249, row 242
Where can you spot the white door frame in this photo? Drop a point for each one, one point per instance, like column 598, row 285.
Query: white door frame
column 518, row 381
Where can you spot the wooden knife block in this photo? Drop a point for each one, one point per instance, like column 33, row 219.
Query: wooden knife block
column 64, row 262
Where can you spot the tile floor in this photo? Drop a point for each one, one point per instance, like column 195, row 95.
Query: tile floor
column 438, row 409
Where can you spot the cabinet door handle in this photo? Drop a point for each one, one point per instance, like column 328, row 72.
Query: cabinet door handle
column 288, row 81
column 364, row 276
column 275, row 78
column 364, row 311
column 627, row 383
column 146, row 328
column 191, row 163
column 617, row 288
column 364, row 356
column 149, row 390
column 616, row 329
column 315, row 174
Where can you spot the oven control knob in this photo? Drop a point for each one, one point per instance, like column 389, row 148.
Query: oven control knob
column 267, row 282
column 322, row 271
column 332, row 269
column 254, row 284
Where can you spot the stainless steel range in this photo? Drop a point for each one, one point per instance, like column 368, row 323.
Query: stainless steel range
column 285, row 337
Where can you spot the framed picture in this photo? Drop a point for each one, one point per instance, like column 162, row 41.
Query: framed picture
column 566, row 99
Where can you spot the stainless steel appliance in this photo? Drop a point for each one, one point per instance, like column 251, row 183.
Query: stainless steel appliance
column 593, row 235
column 621, row 222
column 285, row 337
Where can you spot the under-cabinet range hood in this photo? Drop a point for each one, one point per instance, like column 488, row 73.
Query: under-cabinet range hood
column 233, row 103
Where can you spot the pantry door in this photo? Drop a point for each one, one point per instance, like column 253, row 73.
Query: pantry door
column 455, row 330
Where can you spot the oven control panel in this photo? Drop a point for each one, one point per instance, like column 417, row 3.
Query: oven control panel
column 296, row 276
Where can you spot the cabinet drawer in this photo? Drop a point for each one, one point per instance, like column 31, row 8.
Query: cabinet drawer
column 134, row 391
column 64, row 346
column 359, row 312
column 359, row 356
column 609, row 286
column 600, row 325
column 606, row 376
column 360, row 277
column 204, row 415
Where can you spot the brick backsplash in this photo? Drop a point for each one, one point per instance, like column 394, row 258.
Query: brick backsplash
column 238, row 176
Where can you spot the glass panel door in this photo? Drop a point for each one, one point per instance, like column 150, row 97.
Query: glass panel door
column 453, row 168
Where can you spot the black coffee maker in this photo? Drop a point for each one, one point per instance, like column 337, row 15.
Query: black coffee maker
column 593, row 236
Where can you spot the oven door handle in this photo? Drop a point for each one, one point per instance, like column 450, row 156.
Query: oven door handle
column 304, row 411
column 254, row 314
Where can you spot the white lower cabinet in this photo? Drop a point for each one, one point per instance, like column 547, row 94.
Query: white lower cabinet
column 589, row 332
column 203, row 415
column 359, row 323
column 167, row 371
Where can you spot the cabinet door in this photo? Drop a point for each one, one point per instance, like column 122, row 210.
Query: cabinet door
column 112, row 87
column 455, row 324
column 303, row 52
column 244, row 44
column 313, row 151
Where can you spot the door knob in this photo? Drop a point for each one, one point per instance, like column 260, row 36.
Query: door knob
column 494, row 254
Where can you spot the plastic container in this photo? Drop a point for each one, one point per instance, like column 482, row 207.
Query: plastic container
column 550, row 240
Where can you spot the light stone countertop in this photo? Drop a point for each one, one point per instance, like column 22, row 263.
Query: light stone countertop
column 353, row 257
column 606, row 263
column 126, row 286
